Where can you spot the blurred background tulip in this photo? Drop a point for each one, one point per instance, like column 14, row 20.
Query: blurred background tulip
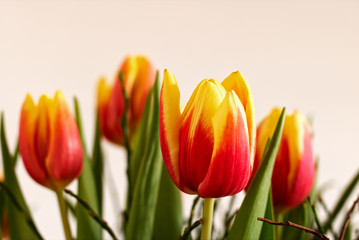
column 208, row 148
column 49, row 141
column 294, row 169
column 139, row 76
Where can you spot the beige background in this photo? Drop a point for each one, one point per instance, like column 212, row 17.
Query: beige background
column 303, row 55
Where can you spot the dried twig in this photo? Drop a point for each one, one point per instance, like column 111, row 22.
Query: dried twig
column 90, row 211
column 347, row 219
column 191, row 215
column 294, row 225
column 188, row 229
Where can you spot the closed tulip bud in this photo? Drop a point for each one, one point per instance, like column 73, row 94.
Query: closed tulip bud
column 49, row 141
column 208, row 148
column 139, row 76
column 294, row 168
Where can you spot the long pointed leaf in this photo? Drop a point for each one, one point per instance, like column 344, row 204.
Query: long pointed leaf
column 87, row 228
column 16, row 219
column 143, row 206
column 341, row 201
column 169, row 218
column 98, row 164
column 245, row 225
column 268, row 232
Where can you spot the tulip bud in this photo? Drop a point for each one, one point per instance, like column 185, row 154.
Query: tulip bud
column 294, row 169
column 139, row 76
column 49, row 141
column 209, row 147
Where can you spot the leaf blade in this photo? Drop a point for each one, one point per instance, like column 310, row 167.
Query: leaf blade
column 245, row 225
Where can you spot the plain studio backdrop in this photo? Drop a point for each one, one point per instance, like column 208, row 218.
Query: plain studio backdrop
column 302, row 55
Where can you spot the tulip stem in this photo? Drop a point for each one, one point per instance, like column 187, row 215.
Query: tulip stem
column 64, row 218
column 207, row 218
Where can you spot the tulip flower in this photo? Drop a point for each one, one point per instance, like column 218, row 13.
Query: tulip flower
column 138, row 76
column 208, row 149
column 294, row 168
column 49, row 142
column 50, row 146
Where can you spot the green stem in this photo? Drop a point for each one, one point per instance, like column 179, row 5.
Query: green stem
column 63, row 210
column 207, row 218
column 278, row 231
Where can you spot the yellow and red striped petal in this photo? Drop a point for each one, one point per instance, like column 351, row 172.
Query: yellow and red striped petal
column 229, row 169
column 240, row 86
column 264, row 132
column 65, row 156
column 196, row 133
column 139, row 76
column 169, row 121
column 294, row 170
column 27, row 144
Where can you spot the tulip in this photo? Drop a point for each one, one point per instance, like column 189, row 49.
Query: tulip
column 208, row 149
column 49, row 142
column 294, row 168
column 138, row 78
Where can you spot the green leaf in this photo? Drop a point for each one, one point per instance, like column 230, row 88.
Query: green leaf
column 348, row 233
column 2, row 209
column 301, row 215
column 341, row 202
column 267, row 232
column 140, row 140
column 87, row 227
column 246, row 225
column 169, row 218
column 16, row 219
column 145, row 194
column 98, row 164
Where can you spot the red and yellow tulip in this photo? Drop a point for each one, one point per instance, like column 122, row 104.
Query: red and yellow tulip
column 294, row 169
column 208, row 148
column 49, row 141
column 139, row 76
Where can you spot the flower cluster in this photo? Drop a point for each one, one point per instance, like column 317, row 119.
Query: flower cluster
column 212, row 148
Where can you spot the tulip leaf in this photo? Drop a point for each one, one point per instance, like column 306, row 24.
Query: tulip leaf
column 143, row 207
column 97, row 165
column 348, row 233
column 267, row 232
column 87, row 227
column 19, row 216
column 301, row 215
column 246, row 225
column 341, row 202
column 169, row 218
column 2, row 209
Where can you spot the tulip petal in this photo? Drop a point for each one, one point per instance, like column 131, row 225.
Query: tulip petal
column 65, row 158
column 139, row 76
column 303, row 179
column 27, row 147
column 114, row 113
column 196, row 132
column 104, row 92
column 265, row 131
column 42, row 129
column 229, row 169
column 169, row 121
column 239, row 84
